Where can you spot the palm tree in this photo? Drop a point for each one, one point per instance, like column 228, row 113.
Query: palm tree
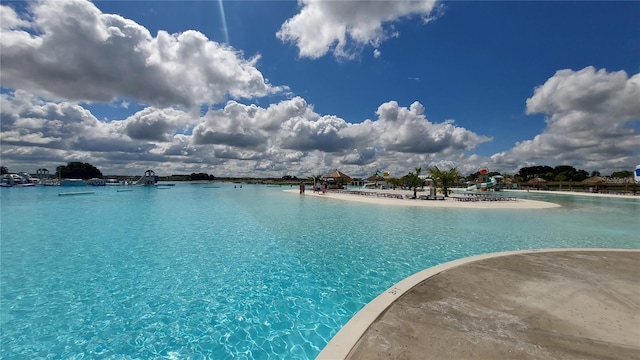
column 446, row 178
column 414, row 181
column 394, row 181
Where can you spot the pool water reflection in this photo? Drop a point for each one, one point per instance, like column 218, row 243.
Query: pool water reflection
column 201, row 272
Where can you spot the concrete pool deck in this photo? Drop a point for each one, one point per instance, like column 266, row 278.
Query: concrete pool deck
column 541, row 304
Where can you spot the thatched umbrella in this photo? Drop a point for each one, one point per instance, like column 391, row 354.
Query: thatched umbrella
column 338, row 177
column 337, row 174
column 594, row 181
column 375, row 178
column 537, row 181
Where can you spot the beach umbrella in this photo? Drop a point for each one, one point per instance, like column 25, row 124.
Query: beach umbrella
column 338, row 177
column 594, row 180
column 337, row 174
column 375, row 178
column 537, row 181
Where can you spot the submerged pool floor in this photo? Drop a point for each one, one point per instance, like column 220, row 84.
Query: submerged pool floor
column 194, row 271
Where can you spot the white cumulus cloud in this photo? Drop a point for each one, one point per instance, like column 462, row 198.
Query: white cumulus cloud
column 238, row 139
column 70, row 50
column 344, row 27
column 589, row 117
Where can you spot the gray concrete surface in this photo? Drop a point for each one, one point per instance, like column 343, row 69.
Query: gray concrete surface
column 549, row 305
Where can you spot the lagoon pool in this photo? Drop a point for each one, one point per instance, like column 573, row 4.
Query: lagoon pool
column 194, row 271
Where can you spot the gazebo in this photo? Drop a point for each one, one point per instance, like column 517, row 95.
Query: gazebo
column 337, row 179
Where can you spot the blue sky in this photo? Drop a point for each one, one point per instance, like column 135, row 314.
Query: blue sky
column 301, row 88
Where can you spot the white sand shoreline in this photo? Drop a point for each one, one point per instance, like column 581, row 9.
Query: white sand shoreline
column 449, row 202
column 576, row 193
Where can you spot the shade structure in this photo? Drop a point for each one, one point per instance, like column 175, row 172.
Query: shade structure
column 338, row 176
column 537, row 180
column 594, row 180
column 375, row 178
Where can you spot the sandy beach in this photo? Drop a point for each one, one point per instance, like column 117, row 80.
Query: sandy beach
column 449, row 202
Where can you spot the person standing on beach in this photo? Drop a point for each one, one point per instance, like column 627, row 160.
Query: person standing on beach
column 302, row 188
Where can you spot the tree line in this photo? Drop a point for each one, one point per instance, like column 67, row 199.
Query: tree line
column 562, row 173
column 81, row 170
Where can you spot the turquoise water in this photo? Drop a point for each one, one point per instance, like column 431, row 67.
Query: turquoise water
column 224, row 273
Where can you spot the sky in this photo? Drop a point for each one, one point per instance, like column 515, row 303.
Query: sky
column 274, row 88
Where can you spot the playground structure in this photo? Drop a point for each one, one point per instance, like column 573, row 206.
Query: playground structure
column 148, row 179
column 484, row 182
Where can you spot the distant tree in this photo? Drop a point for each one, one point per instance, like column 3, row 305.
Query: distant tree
column 78, row 170
column 471, row 177
column 445, row 178
column 580, row 175
column 4, row 170
column 622, row 174
column 200, row 176
column 528, row 173
column 564, row 173
column 595, row 173
column 564, row 169
column 559, row 173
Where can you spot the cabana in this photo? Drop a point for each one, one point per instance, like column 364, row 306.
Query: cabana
column 337, row 179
